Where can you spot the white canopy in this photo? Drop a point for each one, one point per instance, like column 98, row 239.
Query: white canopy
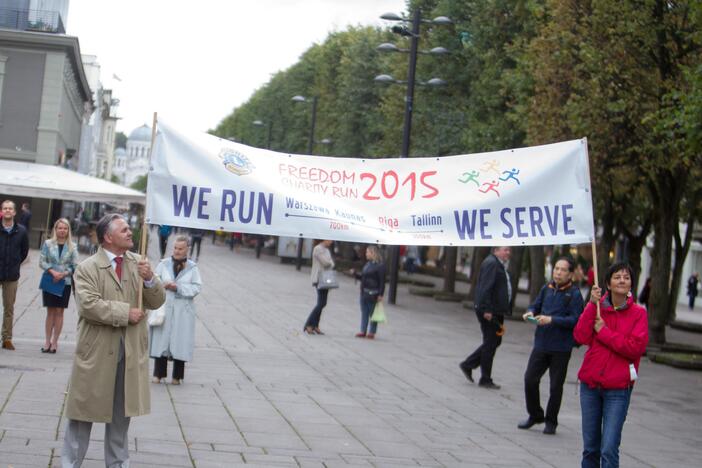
column 54, row 182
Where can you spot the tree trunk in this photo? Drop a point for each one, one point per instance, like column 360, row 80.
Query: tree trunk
column 515, row 269
column 606, row 241
column 537, row 270
column 479, row 254
column 682, row 248
column 666, row 202
column 450, row 255
column 635, row 245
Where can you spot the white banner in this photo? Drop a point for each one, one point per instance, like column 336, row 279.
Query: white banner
column 530, row 196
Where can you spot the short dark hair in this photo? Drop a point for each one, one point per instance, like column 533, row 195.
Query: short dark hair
column 619, row 266
column 571, row 263
column 105, row 224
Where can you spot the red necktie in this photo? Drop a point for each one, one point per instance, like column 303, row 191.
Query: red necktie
column 118, row 268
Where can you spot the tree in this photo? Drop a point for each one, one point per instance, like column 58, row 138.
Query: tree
column 139, row 184
column 120, row 140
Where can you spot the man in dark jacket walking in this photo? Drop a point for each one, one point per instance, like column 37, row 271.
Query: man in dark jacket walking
column 555, row 313
column 493, row 300
column 14, row 247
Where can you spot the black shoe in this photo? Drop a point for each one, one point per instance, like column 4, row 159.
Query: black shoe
column 489, row 385
column 467, row 371
column 529, row 422
column 550, row 428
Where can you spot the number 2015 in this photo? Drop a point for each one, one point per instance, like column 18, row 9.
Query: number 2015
column 389, row 185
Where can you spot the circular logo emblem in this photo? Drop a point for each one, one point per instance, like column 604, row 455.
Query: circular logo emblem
column 235, row 162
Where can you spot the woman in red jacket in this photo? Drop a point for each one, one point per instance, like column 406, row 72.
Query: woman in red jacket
column 616, row 336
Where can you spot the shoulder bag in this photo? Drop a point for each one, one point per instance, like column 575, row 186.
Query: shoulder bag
column 327, row 280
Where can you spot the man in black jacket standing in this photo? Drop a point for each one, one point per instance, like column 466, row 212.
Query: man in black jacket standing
column 14, row 247
column 493, row 300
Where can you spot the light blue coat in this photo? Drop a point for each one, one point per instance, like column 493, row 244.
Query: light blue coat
column 176, row 336
column 49, row 258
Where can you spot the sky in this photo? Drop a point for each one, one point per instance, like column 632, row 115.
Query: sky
column 194, row 62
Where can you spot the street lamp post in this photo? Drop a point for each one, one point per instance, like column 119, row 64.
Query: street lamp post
column 409, row 104
column 310, row 149
column 260, row 123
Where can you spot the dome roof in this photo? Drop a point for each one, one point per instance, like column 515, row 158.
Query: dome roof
column 142, row 133
column 120, row 152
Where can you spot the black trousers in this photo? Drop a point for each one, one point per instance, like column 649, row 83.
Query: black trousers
column 316, row 314
column 196, row 242
column 161, row 368
column 162, row 243
column 485, row 354
column 557, row 365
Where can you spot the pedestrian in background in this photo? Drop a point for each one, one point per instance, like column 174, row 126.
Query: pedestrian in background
column 14, row 247
column 645, row 293
column 321, row 261
column 554, row 312
column 372, row 278
column 616, row 337
column 164, row 231
column 110, row 377
column 493, row 300
column 175, row 338
column 25, row 216
column 692, row 290
column 58, row 257
column 196, row 242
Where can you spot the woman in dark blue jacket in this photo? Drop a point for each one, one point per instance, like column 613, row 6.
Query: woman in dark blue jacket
column 372, row 289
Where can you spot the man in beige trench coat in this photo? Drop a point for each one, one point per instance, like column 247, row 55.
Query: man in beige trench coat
column 112, row 337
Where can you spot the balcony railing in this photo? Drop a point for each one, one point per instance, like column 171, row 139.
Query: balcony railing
column 32, row 20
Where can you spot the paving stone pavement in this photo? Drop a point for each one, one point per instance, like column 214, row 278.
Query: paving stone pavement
column 261, row 393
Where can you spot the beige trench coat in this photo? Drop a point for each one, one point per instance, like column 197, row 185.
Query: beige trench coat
column 103, row 318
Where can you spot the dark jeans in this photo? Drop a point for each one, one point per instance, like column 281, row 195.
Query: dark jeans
column 196, row 241
column 367, row 307
column 484, row 355
column 557, row 365
column 161, row 368
column 692, row 301
column 603, row 414
column 316, row 314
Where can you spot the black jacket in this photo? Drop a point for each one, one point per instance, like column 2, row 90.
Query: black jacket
column 491, row 291
column 372, row 280
column 14, row 248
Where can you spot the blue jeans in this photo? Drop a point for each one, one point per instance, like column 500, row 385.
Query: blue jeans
column 603, row 416
column 367, row 307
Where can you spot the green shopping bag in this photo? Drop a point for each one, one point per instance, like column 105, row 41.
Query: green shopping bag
column 379, row 313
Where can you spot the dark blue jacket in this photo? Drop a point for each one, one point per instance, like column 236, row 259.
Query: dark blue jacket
column 564, row 305
column 14, row 248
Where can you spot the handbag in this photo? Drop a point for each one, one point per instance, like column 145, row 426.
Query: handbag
column 327, row 280
column 157, row 317
column 47, row 284
column 379, row 313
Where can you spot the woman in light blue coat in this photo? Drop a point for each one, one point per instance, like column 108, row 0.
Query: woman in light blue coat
column 174, row 339
column 58, row 257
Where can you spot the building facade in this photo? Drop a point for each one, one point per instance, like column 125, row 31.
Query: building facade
column 44, row 97
column 138, row 151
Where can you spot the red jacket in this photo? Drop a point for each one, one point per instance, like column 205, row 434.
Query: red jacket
column 620, row 342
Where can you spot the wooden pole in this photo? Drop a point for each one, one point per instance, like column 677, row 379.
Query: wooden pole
column 143, row 244
column 596, row 281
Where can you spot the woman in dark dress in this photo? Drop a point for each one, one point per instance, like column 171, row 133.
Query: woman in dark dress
column 58, row 257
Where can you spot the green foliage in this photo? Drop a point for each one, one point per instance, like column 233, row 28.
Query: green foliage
column 140, row 184
column 120, row 140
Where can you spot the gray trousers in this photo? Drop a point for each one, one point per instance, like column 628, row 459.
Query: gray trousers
column 75, row 443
